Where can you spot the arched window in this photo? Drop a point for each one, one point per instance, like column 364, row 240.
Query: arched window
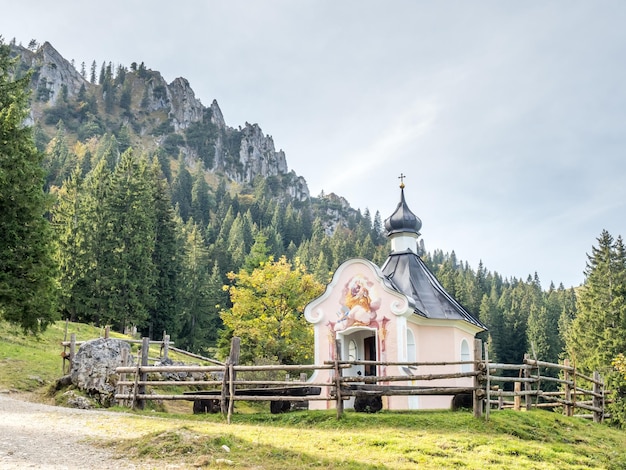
column 465, row 356
column 411, row 349
column 411, row 356
column 352, row 350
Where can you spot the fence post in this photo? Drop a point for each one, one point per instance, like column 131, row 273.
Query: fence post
column 338, row 371
column 141, row 389
column 123, row 389
column 477, row 395
column 107, row 332
column 488, row 386
column 166, row 346
column 64, row 355
column 233, row 360
column 231, row 390
column 575, row 395
column 517, row 398
column 223, row 395
column 227, row 382
column 72, row 350
column 567, row 407
column 527, row 387
column 595, row 400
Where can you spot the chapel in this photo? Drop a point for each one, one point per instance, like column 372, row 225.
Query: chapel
column 399, row 312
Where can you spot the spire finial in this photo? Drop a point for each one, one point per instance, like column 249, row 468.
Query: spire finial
column 401, row 178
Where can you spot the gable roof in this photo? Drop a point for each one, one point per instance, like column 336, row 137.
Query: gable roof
column 409, row 275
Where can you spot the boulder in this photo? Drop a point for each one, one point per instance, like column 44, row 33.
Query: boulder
column 93, row 368
column 179, row 375
column 73, row 400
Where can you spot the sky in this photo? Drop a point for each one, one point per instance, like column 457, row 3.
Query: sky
column 507, row 118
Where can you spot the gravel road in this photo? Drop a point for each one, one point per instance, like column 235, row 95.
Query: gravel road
column 34, row 435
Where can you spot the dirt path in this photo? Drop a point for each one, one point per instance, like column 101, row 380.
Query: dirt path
column 34, row 435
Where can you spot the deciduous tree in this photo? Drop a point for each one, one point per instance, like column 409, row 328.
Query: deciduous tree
column 267, row 312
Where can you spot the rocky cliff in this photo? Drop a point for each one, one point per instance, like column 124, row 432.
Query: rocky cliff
column 155, row 114
column 51, row 73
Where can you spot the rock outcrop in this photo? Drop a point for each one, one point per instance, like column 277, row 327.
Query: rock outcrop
column 53, row 72
column 93, row 368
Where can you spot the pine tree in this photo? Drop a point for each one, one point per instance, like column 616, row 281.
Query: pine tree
column 108, row 89
column 597, row 336
column 73, row 255
column 195, row 292
column 378, row 231
column 236, row 242
column 321, row 271
column 598, row 333
column 58, row 162
column 102, row 74
column 567, row 305
column 132, row 223
column 92, row 75
column 219, row 249
column 448, row 274
column 166, row 257
column 365, row 249
column 182, row 190
column 259, row 253
column 201, row 200
column 95, row 224
column 108, row 149
column 27, row 269
column 217, row 299
column 492, row 317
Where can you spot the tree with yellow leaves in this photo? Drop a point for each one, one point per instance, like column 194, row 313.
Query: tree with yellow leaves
column 267, row 312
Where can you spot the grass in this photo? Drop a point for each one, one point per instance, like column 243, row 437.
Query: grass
column 317, row 439
column 428, row 440
column 27, row 362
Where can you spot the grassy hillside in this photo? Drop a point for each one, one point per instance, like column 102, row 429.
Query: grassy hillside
column 429, row 440
column 30, row 363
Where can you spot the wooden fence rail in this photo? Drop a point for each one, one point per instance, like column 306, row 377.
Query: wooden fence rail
column 226, row 384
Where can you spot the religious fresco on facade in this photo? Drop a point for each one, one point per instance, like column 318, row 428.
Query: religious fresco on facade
column 359, row 304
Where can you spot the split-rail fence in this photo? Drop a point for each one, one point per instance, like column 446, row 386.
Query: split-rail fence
column 494, row 385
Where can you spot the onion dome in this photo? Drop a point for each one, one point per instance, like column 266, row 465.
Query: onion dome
column 403, row 220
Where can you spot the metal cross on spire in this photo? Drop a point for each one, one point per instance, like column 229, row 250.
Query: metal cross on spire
column 401, row 178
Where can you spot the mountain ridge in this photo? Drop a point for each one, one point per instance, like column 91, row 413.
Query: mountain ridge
column 156, row 114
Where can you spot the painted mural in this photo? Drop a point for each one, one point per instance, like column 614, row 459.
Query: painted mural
column 359, row 305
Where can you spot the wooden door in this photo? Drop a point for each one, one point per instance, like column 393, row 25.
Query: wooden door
column 369, row 345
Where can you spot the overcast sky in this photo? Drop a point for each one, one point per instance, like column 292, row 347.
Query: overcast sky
column 507, row 118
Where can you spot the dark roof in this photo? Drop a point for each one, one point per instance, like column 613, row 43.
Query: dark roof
column 409, row 275
column 403, row 220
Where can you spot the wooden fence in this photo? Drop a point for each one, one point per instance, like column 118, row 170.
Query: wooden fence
column 571, row 396
column 69, row 349
column 494, row 385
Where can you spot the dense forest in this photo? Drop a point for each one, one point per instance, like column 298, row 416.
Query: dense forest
column 98, row 228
